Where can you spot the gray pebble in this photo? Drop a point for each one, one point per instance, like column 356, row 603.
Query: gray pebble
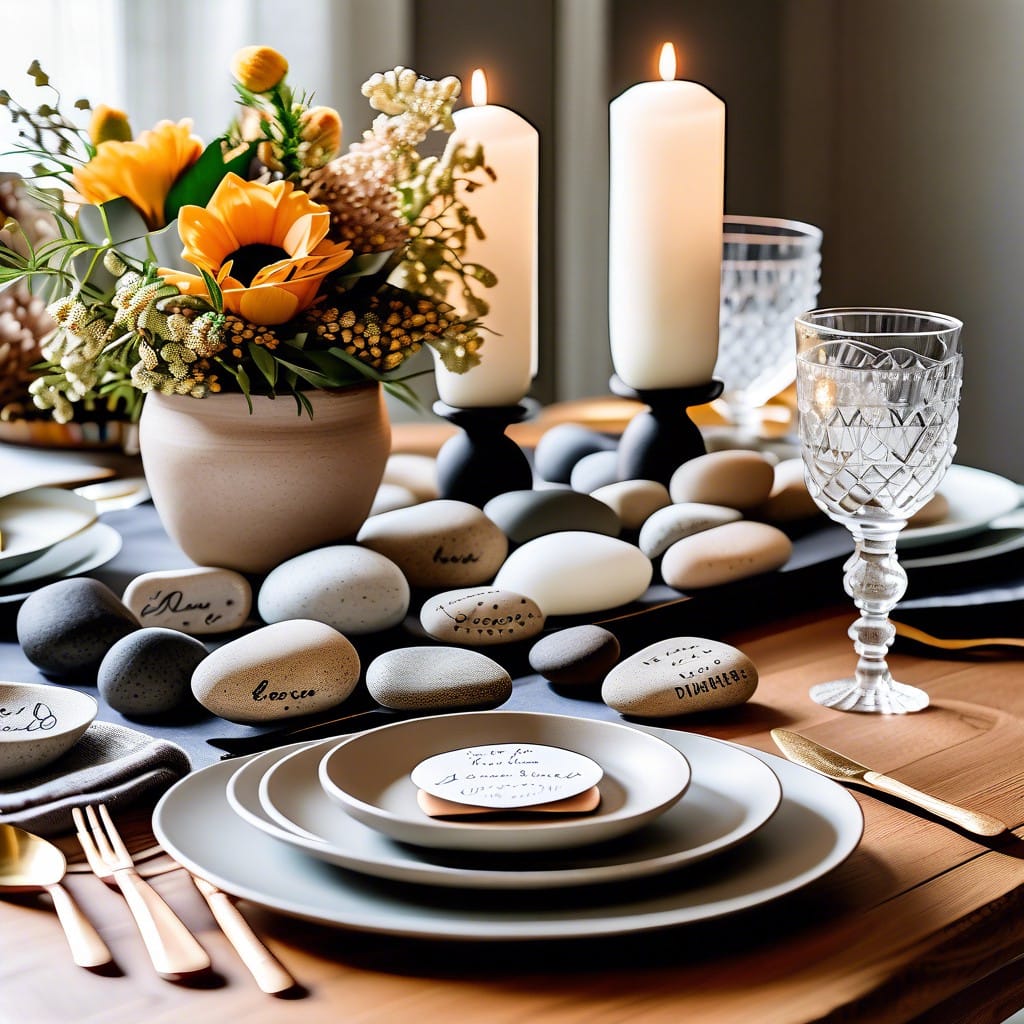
column 578, row 656
column 594, row 471
column 523, row 515
column 561, row 447
column 436, row 679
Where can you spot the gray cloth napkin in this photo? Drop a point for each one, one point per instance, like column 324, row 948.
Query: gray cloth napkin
column 110, row 764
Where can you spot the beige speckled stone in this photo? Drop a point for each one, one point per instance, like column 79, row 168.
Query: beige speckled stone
column 194, row 601
column 436, row 678
column 789, row 499
column 390, row 497
column 736, row 478
column 480, row 617
column 674, row 522
column 440, row 544
column 725, row 553
column 933, row 512
column 283, row 670
column 416, row 473
column 633, row 500
column 680, row 676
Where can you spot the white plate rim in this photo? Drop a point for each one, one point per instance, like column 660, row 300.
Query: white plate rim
column 80, row 512
column 201, row 795
column 93, row 547
column 403, row 866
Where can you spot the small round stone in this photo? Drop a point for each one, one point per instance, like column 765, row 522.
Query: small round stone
column 481, row 617
column 561, row 447
column 149, row 672
column 737, row 478
column 633, row 501
column 674, row 522
column 392, row 496
column 436, row 679
column 578, row 656
column 594, row 471
column 724, row 554
column 523, row 515
column 415, row 473
column 789, row 499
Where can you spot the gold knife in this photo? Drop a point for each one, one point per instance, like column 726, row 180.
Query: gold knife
column 806, row 752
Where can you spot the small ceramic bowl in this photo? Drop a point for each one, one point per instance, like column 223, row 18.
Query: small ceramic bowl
column 38, row 723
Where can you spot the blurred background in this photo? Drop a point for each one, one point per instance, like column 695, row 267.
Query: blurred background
column 897, row 126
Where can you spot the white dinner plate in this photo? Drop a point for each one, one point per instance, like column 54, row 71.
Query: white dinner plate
column 975, row 497
column 369, row 775
column 817, row 826
column 731, row 795
column 90, row 549
column 32, row 521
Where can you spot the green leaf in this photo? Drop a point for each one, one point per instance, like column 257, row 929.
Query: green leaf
column 216, row 295
column 314, row 377
column 264, row 361
column 304, row 404
column 196, row 184
column 403, row 393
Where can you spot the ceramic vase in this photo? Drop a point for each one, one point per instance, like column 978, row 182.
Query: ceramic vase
column 247, row 490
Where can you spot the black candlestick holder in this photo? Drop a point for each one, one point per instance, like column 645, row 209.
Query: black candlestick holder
column 482, row 461
column 662, row 437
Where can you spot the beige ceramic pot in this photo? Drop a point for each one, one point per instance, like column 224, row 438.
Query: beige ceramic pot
column 247, row 491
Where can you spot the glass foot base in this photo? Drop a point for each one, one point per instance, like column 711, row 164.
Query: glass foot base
column 891, row 698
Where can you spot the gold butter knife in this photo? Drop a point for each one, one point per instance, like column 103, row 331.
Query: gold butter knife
column 834, row 765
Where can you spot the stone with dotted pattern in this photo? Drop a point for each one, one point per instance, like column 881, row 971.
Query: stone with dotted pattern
column 480, row 617
column 199, row 601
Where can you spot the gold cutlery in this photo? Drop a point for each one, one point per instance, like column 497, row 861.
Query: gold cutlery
column 806, row 752
column 31, row 862
column 913, row 633
column 172, row 948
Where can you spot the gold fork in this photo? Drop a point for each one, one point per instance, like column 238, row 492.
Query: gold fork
column 172, row 948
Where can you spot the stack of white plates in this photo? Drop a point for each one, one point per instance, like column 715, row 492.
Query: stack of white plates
column 743, row 828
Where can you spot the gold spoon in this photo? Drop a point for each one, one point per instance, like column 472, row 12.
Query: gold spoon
column 913, row 633
column 28, row 862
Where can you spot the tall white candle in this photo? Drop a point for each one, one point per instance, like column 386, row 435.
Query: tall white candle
column 507, row 211
column 667, row 172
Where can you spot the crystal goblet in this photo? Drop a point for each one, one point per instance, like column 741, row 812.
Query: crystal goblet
column 878, row 394
column 771, row 270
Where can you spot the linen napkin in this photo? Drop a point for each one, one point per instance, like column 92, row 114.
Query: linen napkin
column 110, row 764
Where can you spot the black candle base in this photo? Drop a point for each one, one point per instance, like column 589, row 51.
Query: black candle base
column 661, row 438
column 482, row 461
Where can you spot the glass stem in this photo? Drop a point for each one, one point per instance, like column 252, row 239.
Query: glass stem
column 876, row 581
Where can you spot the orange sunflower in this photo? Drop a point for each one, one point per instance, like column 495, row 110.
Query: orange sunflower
column 265, row 245
column 142, row 170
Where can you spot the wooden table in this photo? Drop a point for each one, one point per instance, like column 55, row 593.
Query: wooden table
column 921, row 924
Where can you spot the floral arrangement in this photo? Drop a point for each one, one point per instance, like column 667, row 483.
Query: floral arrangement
column 267, row 262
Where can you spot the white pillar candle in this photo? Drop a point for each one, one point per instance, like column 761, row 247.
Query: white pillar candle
column 507, row 211
column 667, row 172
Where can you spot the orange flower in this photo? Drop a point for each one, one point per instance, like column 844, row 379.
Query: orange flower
column 265, row 245
column 259, row 68
column 142, row 171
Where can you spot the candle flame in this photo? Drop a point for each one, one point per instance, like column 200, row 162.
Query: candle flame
column 478, row 88
column 667, row 62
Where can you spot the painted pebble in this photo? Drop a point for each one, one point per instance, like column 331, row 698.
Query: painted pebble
column 725, row 553
column 594, row 471
column 66, row 628
column 523, row 515
column 416, row 473
column 149, row 672
column 561, row 447
column 574, row 573
column 789, row 499
column 738, row 479
column 351, row 588
column 674, row 522
column 481, row 617
column 194, row 601
column 280, row 671
column 577, row 656
column 633, row 501
column 438, row 544
column 678, row 677
column 436, row 679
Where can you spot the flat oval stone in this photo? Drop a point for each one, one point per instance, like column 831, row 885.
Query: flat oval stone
column 561, row 447
column 678, row 677
column 577, row 656
column 789, row 499
column 416, row 473
column 283, row 670
column 436, row 679
column 736, row 478
column 523, row 515
column 439, row 544
column 195, row 601
column 594, row 471
column 674, row 522
column 633, row 501
column 574, row 573
column 351, row 588
column 149, row 672
column 725, row 553
column 65, row 628
column 390, row 497
column 481, row 617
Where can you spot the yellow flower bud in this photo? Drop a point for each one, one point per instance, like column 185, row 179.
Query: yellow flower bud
column 108, row 123
column 259, row 68
column 321, row 134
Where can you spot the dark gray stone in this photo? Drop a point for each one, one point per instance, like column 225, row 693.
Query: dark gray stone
column 149, row 672
column 561, row 447
column 578, row 656
column 596, row 470
column 523, row 515
column 66, row 628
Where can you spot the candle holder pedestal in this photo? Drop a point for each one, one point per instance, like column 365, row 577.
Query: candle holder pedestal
column 482, row 461
column 662, row 437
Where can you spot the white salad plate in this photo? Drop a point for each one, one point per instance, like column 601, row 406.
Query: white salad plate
column 32, row 521
column 817, row 826
column 369, row 776
column 731, row 795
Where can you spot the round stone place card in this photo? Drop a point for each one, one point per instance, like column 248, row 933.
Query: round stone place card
column 194, row 601
column 480, row 617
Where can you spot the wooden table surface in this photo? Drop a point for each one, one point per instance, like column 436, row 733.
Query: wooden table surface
column 922, row 923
